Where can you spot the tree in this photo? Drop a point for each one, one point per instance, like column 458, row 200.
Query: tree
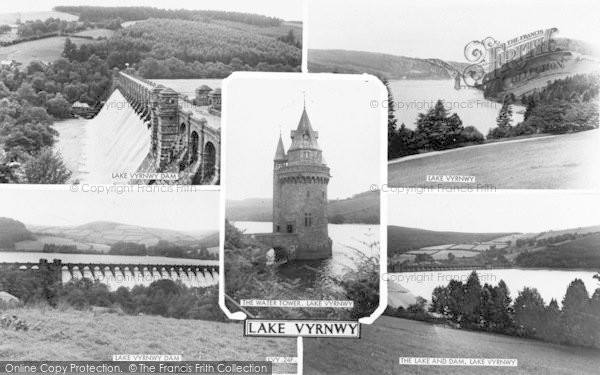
column 436, row 130
column 528, row 306
column 595, row 318
column 4, row 91
column 552, row 328
column 576, row 311
column 504, row 119
column 46, row 168
column 471, row 304
column 70, row 50
column 59, row 107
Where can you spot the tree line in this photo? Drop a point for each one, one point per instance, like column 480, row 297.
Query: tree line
column 162, row 248
column 50, row 25
column 98, row 14
column 162, row 297
column 490, row 308
column 564, row 106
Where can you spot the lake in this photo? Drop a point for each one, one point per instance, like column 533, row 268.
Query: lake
column 549, row 283
column 418, row 96
column 348, row 239
column 188, row 86
column 125, row 277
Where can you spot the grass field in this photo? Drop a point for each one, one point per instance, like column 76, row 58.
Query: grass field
column 96, row 33
column 401, row 239
column 381, row 345
column 567, row 161
column 48, row 49
column 77, row 335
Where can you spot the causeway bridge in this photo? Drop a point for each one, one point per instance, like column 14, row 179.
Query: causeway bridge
column 443, row 267
column 191, row 272
column 185, row 132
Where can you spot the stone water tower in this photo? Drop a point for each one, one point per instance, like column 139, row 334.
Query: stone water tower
column 300, row 180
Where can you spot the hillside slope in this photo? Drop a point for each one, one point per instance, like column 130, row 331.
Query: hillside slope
column 583, row 252
column 401, row 239
column 80, row 335
column 361, row 208
column 12, row 231
column 102, row 232
column 567, row 161
column 379, row 64
column 388, row 338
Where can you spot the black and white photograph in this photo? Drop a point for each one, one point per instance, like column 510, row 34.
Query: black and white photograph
column 483, row 95
column 118, row 272
column 129, row 92
column 300, row 187
column 477, row 278
column 302, row 219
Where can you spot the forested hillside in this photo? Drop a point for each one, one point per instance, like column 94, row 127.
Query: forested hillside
column 402, row 239
column 98, row 14
column 361, row 208
column 12, row 231
column 380, row 64
column 168, row 48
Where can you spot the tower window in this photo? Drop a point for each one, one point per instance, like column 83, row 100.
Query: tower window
column 289, row 228
column 277, row 229
column 307, row 220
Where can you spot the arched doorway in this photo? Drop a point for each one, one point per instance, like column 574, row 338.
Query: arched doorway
column 182, row 134
column 194, row 147
column 210, row 159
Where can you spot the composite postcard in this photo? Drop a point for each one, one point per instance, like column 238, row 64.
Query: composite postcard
column 300, row 187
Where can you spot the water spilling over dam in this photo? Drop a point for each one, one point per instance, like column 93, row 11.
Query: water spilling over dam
column 130, row 276
column 145, row 129
column 192, row 273
column 117, row 141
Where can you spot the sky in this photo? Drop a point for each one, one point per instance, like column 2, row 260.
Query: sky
column 349, row 130
column 441, row 29
column 58, row 206
column 507, row 211
column 290, row 10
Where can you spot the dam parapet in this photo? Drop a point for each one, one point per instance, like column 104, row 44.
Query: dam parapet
column 203, row 274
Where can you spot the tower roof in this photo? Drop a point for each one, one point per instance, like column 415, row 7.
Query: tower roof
column 280, row 153
column 304, row 136
column 168, row 91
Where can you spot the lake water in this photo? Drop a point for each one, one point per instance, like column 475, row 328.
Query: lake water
column 418, row 96
column 124, row 277
column 549, row 283
column 348, row 239
column 188, row 86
